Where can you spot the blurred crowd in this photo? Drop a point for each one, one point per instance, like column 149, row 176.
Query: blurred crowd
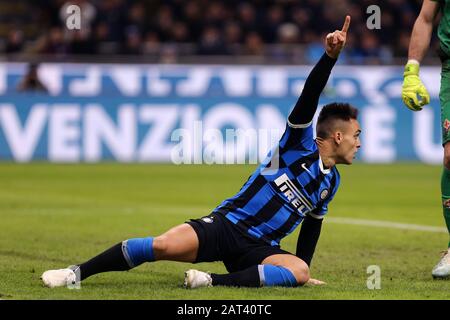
column 167, row 30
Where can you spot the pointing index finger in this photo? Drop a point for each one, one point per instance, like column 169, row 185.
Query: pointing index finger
column 346, row 24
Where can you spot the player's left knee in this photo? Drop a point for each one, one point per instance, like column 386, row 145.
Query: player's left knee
column 300, row 272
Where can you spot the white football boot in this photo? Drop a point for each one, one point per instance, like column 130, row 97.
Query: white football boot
column 442, row 269
column 59, row 278
column 197, row 279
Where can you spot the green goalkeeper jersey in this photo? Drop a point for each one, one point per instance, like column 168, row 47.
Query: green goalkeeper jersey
column 444, row 26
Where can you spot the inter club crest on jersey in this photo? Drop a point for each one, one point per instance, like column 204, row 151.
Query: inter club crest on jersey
column 324, row 194
column 208, row 219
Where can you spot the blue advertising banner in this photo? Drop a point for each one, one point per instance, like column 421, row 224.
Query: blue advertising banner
column 199, row 113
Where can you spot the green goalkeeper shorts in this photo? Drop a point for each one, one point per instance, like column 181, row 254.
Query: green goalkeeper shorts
column 444, row 96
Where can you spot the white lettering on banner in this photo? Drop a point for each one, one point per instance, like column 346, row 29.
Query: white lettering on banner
column 430, row 77
column 196, row 84
column 349, row 83
column 99, row 128
column 209, row 146
column 346, row 89
column 197, row 142
column 233, row 115
column 51, row 76
column 76, row 131
column 127, row 80
column 239, row 143
column 157, row 87
column 237, row 81
column 189, row 150
column 297, row 87
column 270, row 119
column 23, row 141
column 179, row 151
column 191, row 115
column 230, row 114
column 426, row 150
column 379, row 134
column 272, row 82
column 163, row 119
column 213, row 152
column 91, row 85
column 64, row 133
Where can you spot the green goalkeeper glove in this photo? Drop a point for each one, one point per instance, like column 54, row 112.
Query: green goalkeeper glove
column 413, row 86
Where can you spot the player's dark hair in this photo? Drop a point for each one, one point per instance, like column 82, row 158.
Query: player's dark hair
column 332, row 112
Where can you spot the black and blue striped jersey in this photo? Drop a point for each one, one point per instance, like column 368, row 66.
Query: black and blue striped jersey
column 290, row 183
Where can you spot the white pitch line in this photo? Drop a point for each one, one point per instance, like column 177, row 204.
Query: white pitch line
column 201, row 211
column 386, row 224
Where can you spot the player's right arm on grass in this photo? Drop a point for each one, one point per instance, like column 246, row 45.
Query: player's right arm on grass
column 306, row 105
column 414, row 93
column 307, row 241
column 308, row 238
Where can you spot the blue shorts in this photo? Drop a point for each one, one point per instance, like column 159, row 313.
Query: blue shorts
column 220, row 240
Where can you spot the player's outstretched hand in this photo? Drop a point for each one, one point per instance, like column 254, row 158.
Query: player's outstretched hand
column 315, row 282
column 335, row 41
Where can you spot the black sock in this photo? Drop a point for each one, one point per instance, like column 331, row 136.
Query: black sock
column 109, row 260
column 245, row 278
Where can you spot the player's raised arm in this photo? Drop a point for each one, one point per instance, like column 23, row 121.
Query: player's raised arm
column 306, row 105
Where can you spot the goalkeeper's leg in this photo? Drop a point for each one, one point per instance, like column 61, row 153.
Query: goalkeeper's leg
column 442, row 269
column 284, row 270
column 178, row 244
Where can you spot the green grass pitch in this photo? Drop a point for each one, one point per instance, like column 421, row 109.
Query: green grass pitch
column 52, row 216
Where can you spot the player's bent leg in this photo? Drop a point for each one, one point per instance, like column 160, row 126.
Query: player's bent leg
column 178, row 244
column 276, row 270
column 284, row 269
column 113, row 259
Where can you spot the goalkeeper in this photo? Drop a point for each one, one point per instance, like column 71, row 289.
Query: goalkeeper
column 415, row 95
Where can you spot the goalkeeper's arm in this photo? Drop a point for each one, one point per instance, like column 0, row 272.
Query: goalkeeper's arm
column 421, row 33
column 418, row 46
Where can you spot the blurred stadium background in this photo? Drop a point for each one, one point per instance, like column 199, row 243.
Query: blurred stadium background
column 137, row 70
column 116, row 91
column 174, row 31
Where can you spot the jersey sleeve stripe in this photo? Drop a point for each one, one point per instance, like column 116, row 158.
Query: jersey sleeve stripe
column 299, row 126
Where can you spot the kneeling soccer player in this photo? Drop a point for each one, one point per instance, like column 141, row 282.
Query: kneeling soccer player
column 245, row 231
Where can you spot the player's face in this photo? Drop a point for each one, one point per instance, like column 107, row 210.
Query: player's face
column 350, row 142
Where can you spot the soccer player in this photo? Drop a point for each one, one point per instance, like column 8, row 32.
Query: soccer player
column 413, row 86
column 292, row 185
